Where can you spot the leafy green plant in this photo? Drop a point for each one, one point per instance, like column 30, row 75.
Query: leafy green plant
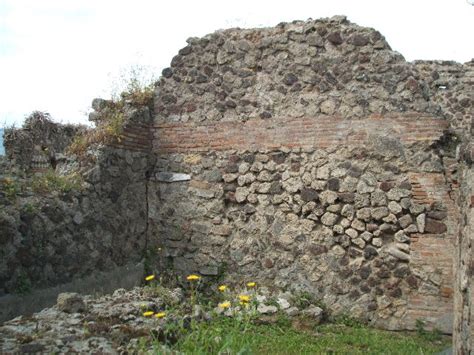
column 305, row 299
column 52, row 181
column 429, row 335
column 23, row 284
column 348, row 321
column 11, row 188
column 136, row 90
column 30, row 208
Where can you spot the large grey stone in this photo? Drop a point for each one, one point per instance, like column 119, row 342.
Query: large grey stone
column 329, row 219
column 71, row 302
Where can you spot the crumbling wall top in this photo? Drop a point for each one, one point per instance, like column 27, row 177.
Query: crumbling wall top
column 305, row 68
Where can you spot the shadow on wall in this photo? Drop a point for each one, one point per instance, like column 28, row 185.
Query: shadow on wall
column 2, row 148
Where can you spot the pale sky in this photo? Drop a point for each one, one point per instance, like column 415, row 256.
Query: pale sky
column 57, row 55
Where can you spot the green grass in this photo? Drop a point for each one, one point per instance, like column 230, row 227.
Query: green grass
column 229, row 336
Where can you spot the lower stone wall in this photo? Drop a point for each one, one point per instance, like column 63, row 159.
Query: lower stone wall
column 60, row 237
column 360, row 230
column 126, row 276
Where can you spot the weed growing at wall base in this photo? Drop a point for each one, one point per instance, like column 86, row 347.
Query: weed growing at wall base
column 231, row 336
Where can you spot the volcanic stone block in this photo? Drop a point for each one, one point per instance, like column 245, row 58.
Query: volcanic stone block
column 434, row 226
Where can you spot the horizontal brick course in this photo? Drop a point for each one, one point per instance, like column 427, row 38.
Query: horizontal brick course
column 321, row 132
column 136, row 138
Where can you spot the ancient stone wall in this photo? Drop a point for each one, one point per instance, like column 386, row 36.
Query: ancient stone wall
column 78, row 239
column 319, row 160
column 464, row 260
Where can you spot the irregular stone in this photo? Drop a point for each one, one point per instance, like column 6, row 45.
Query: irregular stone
column 241, row 194
column 364, row 188
column 315, row 313
column 416, row 209
column 370, row 252
column 328, row 197
column 439, row 215
column 252, row 198
column 265, row 176
column 333, row 184
column 420, row 222
column 264, row 309
column 401, row 237
column 292, row 311
column 386, row 185
column 336, row 208
column 71, row 302
column 328, row 107
column 335, row 38
column 293, row 185
column 394, row 207
column 367, row 236
column 264, row 188
column 345, row 222
column 378, row 198
column 283, row 303
column 358, row 225
column 397, row 253
column 229, row 177
column 349, row 184
column 309, row 195
column 434, row 226
column 377, row 242
column 348, row 211
column 329, row 219
column 318, row 185
column 322, row 173
column 78, row 218
column 338, row 250
column 244, row 168
column 405, row 221
column 405, row 203
column 379, row 212
column 338, row 229
column 346, row 197
column 262, row 158
column 411, row 229
column 391, row 218
column 256, row 167
column 223, row 229
column 276, row 188
column 358, row 40
column 396, row 194
column 364, row 214
column 359, row 242
column 361, row 200
column 352, row 233
column 246, row 179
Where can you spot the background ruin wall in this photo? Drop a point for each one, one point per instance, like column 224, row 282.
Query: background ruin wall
column 85, row 240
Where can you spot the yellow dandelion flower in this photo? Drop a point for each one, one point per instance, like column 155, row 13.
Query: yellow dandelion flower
column 244, row 298
column 193, row 277
column 148, row 314
column 150, row 278
column 222, row 288
column 251, row 284
column 160, row 315
column 224, row 305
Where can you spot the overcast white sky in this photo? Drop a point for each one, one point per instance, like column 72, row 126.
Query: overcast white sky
column 57, row 55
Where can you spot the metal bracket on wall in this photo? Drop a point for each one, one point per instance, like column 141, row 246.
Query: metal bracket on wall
column 172, row 177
